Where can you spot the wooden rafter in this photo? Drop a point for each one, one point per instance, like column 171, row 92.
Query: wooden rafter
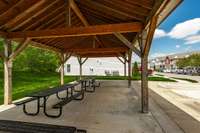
column 120, row 60
column 16, row 10
column 67, row 56
column 89, row 55
column 127, row 43
column 112, row 11
column 84, row 60
column 10, row 6
column 97, row 50
column 32, row 15
column 3, row 34
column 23, row 14
column 75, row 8
column 41, row 45
column 34, row 23
column 79, row 31
column 19, row 48
column 78, row 12
column 150, row 34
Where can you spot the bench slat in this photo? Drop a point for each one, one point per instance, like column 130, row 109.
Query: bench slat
column 26, row 127
column 67, row 100
column 25, row 101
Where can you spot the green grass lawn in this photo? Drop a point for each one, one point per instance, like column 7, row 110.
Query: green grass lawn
column 160, row 75
column 151, row 78
column 185, row 79
column 27, row 82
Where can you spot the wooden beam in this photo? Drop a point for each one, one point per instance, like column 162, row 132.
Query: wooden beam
column 19, row 48
column 84, row 60
column 127, row 43
column 144, row 85
column 43, row 46
column 34, row 15
column 125, row 67
column 67, row 56
column 67, row 13
column 77, row 11
column 114, row 12
column 97, row 50
column 150, row 35
column 129, row 68
column 3, row 34
column 120, row 60
column 79, row 31
column 89, row 55
column 23, row 14
column 43, row 17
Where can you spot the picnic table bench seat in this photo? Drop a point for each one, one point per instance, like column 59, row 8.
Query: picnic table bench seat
column 67, row 100
column 25, row 101
column 27, row 127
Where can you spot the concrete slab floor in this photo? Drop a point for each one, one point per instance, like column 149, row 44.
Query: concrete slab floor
column 113, row 108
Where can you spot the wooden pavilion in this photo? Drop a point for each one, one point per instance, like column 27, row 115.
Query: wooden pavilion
column 82, row 28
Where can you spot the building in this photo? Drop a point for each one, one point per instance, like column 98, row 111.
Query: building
column 168, row 63
column 95, row 66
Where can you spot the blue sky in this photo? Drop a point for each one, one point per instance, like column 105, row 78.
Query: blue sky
column 180, row 32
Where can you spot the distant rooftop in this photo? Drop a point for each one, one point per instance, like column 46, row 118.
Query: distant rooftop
column 178, row 55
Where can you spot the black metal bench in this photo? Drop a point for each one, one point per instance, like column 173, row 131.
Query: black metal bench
column 24, row 102
column 62, row 103
column 27, row 127
column 92, row 84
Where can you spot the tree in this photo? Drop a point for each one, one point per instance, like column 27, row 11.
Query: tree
column 36, row 60
column 33, row 59
column 135, row 69
column 191, row 61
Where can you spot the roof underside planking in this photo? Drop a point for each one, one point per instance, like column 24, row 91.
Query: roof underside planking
column 82, row 27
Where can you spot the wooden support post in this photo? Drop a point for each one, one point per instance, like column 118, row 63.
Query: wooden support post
column 62, row 69
column 7, row 73
column 124, row 68
column 80, row 67
column 63, row 58
column 144, row 64
column 144, row 85
column 81, row 62
column 129, row 68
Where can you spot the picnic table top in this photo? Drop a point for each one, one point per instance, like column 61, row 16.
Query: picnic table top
column 51, row 91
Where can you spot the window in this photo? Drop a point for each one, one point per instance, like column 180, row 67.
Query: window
column 68, row 68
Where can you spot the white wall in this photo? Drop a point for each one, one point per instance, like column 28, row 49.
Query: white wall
column 99, row 65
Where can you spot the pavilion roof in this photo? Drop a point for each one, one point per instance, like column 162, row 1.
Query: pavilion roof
column 86, row 28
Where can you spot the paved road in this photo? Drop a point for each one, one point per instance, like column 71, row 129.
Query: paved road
column 197, row 78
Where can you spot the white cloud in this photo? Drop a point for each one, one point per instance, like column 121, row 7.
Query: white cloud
column 185, row 29
column 178, row 46
column 157, row 54
column 159, row 33
column 192, row 39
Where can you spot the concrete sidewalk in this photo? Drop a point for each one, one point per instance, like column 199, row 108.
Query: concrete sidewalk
column 180, row 102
